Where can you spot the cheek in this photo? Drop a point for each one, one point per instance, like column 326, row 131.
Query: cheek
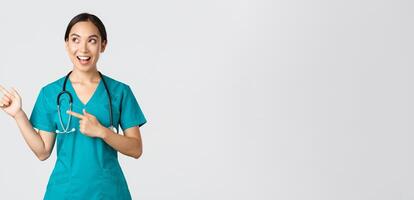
column 94, row 49
column 72, row 49
column 95, row 52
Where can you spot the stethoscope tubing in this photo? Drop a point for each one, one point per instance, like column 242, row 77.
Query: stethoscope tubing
column 64, row 91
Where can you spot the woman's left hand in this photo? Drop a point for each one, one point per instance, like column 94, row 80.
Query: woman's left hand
column 88, row 124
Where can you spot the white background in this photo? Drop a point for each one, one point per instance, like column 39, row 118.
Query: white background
column 247, row 99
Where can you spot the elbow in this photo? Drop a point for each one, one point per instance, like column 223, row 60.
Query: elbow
column 137, row 154
column 43, row 156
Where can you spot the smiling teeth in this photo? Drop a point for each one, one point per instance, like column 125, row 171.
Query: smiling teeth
column 84, row 57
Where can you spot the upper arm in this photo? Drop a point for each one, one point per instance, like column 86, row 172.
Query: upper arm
column 131, row 114
column 48, row 139
column 42, row 116
column 133, row 132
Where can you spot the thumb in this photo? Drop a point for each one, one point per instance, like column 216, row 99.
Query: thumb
column 85, row 113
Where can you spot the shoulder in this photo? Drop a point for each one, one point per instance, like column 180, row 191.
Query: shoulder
column 120, row 91
column 116, row 86
column 53, row 87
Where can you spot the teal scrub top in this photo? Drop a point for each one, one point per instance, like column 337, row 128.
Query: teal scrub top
column 86, row 167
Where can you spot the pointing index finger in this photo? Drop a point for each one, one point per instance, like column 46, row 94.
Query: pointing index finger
column 75, row 114
column 4, row 91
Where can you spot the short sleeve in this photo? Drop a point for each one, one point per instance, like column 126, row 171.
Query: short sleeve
column 42, row 116
column 131, row 113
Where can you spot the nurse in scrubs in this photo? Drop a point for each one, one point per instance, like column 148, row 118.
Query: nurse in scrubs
column 87, row 152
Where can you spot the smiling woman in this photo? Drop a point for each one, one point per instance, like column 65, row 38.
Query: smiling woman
column 87, row 164
column 85, row 39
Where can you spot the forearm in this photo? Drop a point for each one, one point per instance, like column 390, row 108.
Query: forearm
column 32, row 138
column 126, row 145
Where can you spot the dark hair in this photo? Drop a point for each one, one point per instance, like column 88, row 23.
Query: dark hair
column 83, row 17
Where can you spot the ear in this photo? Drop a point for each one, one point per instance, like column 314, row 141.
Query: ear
column 103, row 46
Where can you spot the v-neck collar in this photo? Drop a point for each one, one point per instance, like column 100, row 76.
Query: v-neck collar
column 75, row 95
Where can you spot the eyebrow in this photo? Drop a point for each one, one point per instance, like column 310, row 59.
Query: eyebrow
column 74, row 34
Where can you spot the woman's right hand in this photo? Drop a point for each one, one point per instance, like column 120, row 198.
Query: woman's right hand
column 11, row 102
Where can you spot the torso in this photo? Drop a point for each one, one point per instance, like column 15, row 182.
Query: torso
column 82, row 159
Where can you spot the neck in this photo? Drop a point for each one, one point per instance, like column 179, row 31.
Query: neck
column 78, row 76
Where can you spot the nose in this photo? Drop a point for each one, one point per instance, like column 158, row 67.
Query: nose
column 83, row 47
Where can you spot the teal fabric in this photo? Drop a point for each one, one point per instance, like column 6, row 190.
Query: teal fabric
column 86, row 167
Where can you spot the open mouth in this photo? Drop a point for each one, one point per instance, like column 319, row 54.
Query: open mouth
column 83, row 58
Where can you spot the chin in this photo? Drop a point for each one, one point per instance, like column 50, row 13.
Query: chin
column 84, row 68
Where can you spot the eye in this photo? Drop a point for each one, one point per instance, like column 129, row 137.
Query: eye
column 76, row 40
column 93, row 41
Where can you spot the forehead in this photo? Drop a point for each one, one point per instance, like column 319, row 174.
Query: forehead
column 84, row 29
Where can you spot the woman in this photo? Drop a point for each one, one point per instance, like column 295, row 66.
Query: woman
column 87, row 165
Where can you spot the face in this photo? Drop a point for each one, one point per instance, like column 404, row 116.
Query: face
column 84, row 45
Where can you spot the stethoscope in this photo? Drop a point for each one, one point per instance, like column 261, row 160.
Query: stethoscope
column 64, row 91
